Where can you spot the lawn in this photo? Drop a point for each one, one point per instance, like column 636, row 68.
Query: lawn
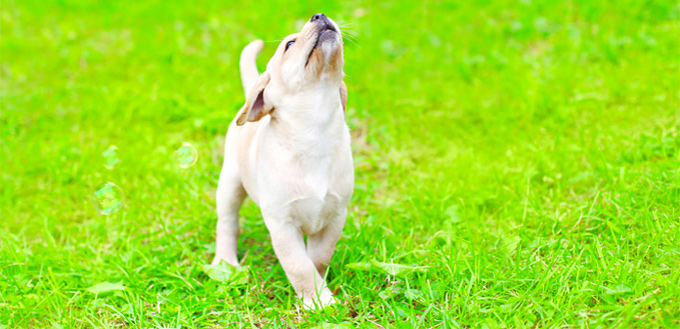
column 519, row 162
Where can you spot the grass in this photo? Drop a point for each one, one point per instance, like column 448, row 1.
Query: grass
column 521, row 160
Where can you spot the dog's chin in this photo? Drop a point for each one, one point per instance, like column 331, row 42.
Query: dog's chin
column 328, row 35
column 326, row 52
column 328, row 42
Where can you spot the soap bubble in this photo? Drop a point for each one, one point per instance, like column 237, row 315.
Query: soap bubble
column 107, row 198
column 185, row 156
column 111, row 159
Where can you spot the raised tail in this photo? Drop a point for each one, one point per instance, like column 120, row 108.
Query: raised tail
column 247, row 64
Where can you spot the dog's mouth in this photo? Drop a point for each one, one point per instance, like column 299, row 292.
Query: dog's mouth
column 325, row 30
column 328, row 27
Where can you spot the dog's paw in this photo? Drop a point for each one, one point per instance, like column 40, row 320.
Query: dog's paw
column 319, row 302
column 219, row 259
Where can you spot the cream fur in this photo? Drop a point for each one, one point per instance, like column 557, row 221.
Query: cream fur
column 292, row 156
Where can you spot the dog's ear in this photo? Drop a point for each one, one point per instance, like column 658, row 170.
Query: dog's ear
column 343, row 96
column 255, row 107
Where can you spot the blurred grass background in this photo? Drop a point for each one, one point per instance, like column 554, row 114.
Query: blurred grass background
column 521, row 158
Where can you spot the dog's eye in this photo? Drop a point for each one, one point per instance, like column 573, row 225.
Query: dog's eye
column 290, row 43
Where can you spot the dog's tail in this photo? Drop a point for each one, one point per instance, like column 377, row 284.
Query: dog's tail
column 247, row 64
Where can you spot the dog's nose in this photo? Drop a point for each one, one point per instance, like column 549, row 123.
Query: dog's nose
column 317, row 17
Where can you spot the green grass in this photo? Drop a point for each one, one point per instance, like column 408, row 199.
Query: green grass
column 524, row 156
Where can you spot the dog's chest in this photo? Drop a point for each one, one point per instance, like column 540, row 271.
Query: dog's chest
column 312, row 214
column 321, row 200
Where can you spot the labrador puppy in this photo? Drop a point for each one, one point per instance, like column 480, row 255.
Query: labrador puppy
column 289, row 150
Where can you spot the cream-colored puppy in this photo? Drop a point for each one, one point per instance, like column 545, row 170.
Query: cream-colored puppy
column 289, row 150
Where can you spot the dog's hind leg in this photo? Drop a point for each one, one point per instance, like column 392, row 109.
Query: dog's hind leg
column 229, row 197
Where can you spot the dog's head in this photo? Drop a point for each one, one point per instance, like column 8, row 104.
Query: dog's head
column 303, row 63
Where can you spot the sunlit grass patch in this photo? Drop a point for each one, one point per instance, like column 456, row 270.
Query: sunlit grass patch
column 517, row 165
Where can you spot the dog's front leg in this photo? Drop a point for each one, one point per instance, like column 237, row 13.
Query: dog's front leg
column 321, row 246
column 289, row 246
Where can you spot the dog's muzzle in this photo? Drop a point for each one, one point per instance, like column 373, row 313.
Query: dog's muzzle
column 326, row 32
column 325, row 27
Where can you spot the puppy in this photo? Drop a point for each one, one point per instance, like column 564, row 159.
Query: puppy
column 289, row 150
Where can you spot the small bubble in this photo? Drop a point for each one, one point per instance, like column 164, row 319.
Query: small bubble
column 185, row 156
column 111, row 159
column 107, row 198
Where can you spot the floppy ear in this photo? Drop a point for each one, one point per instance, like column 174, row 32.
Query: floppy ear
column 255, row 107
column 343, row 96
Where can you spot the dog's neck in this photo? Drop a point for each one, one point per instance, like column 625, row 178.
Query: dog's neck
column 308, row 123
